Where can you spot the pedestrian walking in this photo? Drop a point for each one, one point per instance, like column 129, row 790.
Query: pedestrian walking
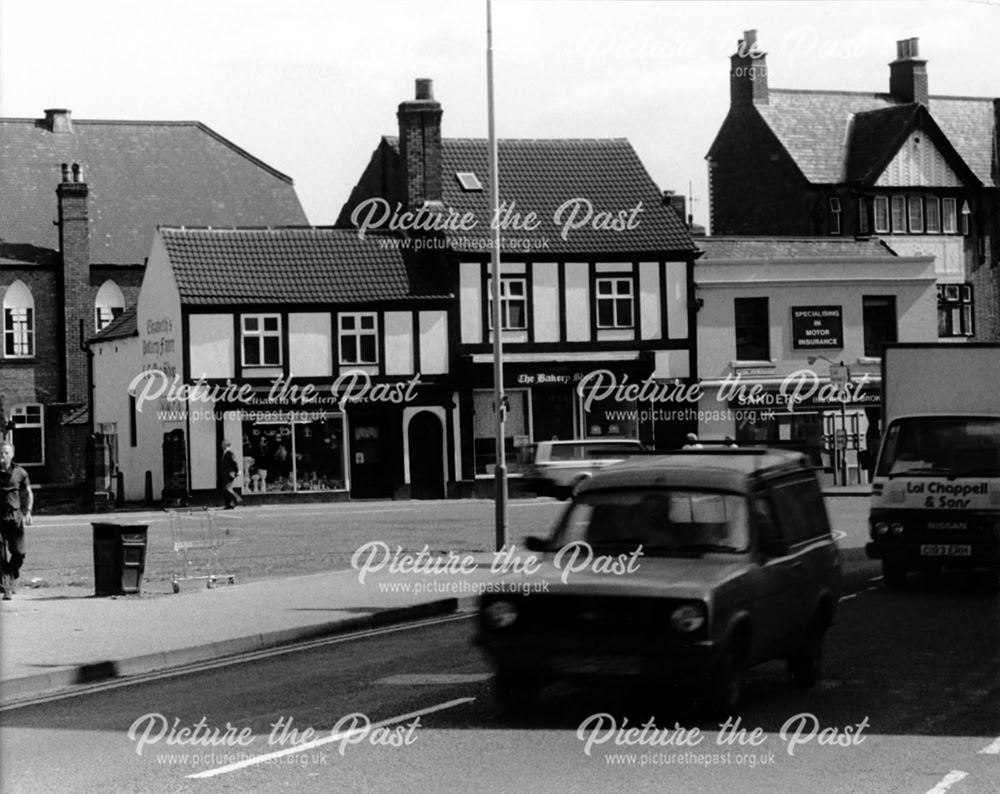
column 16, row 504
column 229, row 470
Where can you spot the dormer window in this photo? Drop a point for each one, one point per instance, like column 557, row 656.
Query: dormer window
column 469, row 181
column 835, row 216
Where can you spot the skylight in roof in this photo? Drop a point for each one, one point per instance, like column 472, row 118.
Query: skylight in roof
column 468, row 180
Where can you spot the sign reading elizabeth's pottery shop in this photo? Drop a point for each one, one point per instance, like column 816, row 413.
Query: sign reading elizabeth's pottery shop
column 817, row 326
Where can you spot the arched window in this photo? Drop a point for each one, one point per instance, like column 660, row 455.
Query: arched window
column 109, row 304
column 18, row 322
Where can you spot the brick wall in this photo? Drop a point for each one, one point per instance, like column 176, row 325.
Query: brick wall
column 74, row 244
column 420, row 145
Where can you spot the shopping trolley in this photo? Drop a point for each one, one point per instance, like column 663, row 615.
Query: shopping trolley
column 197, row 542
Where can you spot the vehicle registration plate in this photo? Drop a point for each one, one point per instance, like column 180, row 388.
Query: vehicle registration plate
column 945, row 550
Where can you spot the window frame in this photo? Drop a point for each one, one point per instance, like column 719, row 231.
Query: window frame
column 835, row 210
column 882, row 207
column 617, row 301
column 358, row 333
column 915, row 203
column 39, row 425
column 899, row 225
column 18, row 305
column 949, row 215
column 863, row 221
column 868, row 304
column 262, row 334
column 506, row 301
column 956, row 301
column 756, row 302
column 932, row 210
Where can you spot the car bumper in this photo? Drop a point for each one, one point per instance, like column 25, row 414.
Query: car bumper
column 568, row 658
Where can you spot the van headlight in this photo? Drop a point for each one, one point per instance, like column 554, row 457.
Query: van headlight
column 881, row 528
column 500, row 614
column 688, row 618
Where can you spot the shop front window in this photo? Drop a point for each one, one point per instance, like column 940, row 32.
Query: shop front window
column 516, row 430
column 610, row 418
column 286, row 456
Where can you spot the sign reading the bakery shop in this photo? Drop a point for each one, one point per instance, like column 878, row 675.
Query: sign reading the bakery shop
column 817, row 327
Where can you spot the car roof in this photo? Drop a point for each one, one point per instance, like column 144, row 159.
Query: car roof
column 725, row 469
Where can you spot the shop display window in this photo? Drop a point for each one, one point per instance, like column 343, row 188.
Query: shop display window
column 285, row 456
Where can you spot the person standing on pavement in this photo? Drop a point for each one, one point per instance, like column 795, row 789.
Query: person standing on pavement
column 229, row 470
column 16, row 504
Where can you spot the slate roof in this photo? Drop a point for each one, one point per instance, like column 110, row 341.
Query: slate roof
column 140, row 174
column 300, row 265
column 752, row 247
column 541, row 175
column 814, row 127
column 122, row 327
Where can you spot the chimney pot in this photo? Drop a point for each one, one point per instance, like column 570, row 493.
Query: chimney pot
column 77, row 173
column 58, row 120
column 425, row 88
column 65, row 172
column 908, row 73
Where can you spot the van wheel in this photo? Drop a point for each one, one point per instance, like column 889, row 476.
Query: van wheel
column 894, row 575
column 515, row 691
column 805, row 665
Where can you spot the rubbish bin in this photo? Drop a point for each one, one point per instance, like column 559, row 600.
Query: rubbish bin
column 119, row 558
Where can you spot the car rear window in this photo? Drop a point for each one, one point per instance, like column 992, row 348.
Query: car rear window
column 664, row 522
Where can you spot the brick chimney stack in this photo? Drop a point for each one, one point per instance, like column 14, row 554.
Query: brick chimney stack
column 74, row 245
column 420, row 146
column 748, row 72
column 58, row 120
column 908, row 73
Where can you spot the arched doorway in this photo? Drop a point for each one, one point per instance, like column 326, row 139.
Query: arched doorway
column 425, row 435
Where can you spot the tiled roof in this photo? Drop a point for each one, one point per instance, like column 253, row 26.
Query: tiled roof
column 737, row 247
column 813, row 126
column 302, row 265
column 140, row 174
column 873, row 134
column 542, row 175
column 122, row 327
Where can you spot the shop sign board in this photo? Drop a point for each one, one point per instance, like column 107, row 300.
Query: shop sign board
column 816, row 327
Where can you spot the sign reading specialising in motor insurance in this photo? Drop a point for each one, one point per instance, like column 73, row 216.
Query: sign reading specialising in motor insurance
column 817, row 327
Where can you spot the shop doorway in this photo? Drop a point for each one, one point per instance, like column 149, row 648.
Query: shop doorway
column 426, row 445
column 371, row 470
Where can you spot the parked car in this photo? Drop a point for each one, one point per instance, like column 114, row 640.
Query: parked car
column 559, row 467
column 702, row 564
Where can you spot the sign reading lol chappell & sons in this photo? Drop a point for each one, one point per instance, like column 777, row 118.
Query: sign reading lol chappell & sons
column 817, row 326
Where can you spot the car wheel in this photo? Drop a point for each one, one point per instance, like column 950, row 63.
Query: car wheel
column 515, row 691
column 805, row 665
column 726, row 686
column 894, row 575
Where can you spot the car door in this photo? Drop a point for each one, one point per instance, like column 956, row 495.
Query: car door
column 777, row 612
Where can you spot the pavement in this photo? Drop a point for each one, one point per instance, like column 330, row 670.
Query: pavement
column 53, row 642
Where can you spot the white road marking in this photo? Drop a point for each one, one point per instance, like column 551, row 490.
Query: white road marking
column 848, row 597
column 948, row 781
column 430, row 679
column 839, row 534
column 992, row 749
column 336, row 737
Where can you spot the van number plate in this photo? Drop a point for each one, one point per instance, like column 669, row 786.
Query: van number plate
column 945, row 550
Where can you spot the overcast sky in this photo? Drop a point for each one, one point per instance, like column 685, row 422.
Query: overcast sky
column 309, row 86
